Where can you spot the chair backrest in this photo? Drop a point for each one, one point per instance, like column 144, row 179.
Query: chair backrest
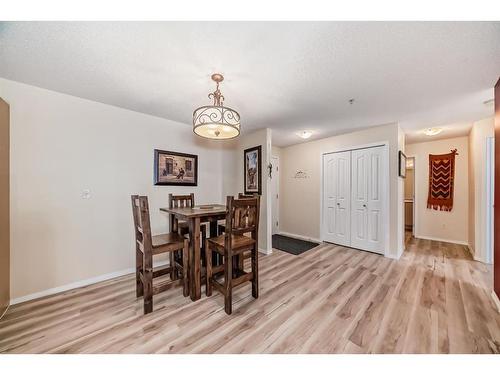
column 180, row 201
column 243, row 216
column 244, row 196
column 142, row 225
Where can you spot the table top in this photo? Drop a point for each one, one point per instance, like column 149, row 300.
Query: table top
column 197, row 211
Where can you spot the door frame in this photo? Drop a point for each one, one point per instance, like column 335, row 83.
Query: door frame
column 277, row 174
column 385, row 186
column 490, row 198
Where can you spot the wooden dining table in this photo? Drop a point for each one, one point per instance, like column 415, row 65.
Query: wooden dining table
column 195, row 216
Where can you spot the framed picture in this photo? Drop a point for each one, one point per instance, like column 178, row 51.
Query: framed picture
column 175, row 168
column 402, row 164
column 253, row 170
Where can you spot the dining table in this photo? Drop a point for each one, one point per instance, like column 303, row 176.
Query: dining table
column 195, row 216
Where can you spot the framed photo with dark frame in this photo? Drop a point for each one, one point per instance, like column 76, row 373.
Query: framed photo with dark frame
column 175, row 168
column 252, row 170
column 402, row 164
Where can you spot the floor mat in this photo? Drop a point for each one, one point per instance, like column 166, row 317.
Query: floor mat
column 292, row 245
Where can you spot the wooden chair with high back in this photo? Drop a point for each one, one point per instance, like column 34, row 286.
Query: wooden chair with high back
column 242, row 218
column 182, row 227
column 221, row 227
column 147, row 246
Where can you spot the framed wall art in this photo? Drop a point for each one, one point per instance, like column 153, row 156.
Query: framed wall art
column 175, row 168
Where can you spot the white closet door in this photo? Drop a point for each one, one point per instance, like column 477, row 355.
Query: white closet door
column 367, row 203
column 337, row 198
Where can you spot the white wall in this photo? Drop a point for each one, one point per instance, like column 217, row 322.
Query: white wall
column 233, row 180
column 301, row 198
column 446, row 226
column 479, row 133
column 62, row 145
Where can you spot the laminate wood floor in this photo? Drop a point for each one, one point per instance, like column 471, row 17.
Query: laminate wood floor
column 331, row 299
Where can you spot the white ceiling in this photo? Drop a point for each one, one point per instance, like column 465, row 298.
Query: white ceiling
column 288, row 76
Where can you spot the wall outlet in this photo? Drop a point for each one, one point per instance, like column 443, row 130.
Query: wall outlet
column 86, row 194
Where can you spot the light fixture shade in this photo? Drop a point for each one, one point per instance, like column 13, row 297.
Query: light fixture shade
column 432, row 131
column 216, row 122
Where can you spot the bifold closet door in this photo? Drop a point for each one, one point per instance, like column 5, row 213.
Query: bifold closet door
column 337, row 198
column 366, row 200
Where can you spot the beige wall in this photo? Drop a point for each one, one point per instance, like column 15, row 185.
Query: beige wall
column 479, row 133
column 4, row 208
column 234, row 183
column 64, row 145
column 441, row 225
column 276, row 151
column 301, row 197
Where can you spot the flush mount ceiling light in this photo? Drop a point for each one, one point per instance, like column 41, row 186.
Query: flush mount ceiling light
column 432, row 131
column 304, row 134
column 216, row 121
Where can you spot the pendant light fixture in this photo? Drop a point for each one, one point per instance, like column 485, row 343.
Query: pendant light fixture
column 216, row 121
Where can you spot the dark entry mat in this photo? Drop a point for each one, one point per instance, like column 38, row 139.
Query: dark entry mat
column 292, row 245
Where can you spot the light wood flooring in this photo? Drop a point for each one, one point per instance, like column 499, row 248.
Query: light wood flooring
column 331, row 299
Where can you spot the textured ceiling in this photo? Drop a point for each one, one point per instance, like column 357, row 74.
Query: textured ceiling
column 287, row 76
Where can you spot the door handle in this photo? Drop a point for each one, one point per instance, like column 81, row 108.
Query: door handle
column 338, row 204
column 364, row 205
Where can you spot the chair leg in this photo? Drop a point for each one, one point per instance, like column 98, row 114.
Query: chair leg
column 208, row 257
column 139, row 288
column 148, row 283
column 185, row 278
column 255, row 272
column 228, row 284
column 171, row 259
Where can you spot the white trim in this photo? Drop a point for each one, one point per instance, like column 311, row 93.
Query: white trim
column 77, row 284
column 300, row 237
column 266, row 252
column 496, row 301
column 277, row 179
column 386, row 184
column 465, row 243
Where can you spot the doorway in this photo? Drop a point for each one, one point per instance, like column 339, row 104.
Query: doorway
column 275, row 188
column 409, row 198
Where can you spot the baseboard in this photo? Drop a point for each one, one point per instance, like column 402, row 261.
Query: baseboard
column 442, row 240
column 266, row 252
column 495, row 300
column 300, row 237
column 77, row 284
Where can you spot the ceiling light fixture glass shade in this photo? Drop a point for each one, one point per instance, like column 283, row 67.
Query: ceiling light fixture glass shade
column 216, row 121
column 304, row 134
column 432, row 131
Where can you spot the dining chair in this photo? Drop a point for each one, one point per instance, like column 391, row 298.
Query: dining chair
column 242, row 218
column 147, row 246
column 181, row 226
column 221, row 227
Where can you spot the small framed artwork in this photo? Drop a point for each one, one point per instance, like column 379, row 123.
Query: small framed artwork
column 402, row 164
column 253, row 170
column 175, row 168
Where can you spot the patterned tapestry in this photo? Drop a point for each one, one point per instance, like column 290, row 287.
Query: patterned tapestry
column 441, row 180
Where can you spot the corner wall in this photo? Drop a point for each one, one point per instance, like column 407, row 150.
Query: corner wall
column 480, row 132
column 233, row 162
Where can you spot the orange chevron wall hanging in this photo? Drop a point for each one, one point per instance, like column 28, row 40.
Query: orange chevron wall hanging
column 441, row 181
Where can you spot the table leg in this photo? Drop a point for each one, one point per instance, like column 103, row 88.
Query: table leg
column 194, row 258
